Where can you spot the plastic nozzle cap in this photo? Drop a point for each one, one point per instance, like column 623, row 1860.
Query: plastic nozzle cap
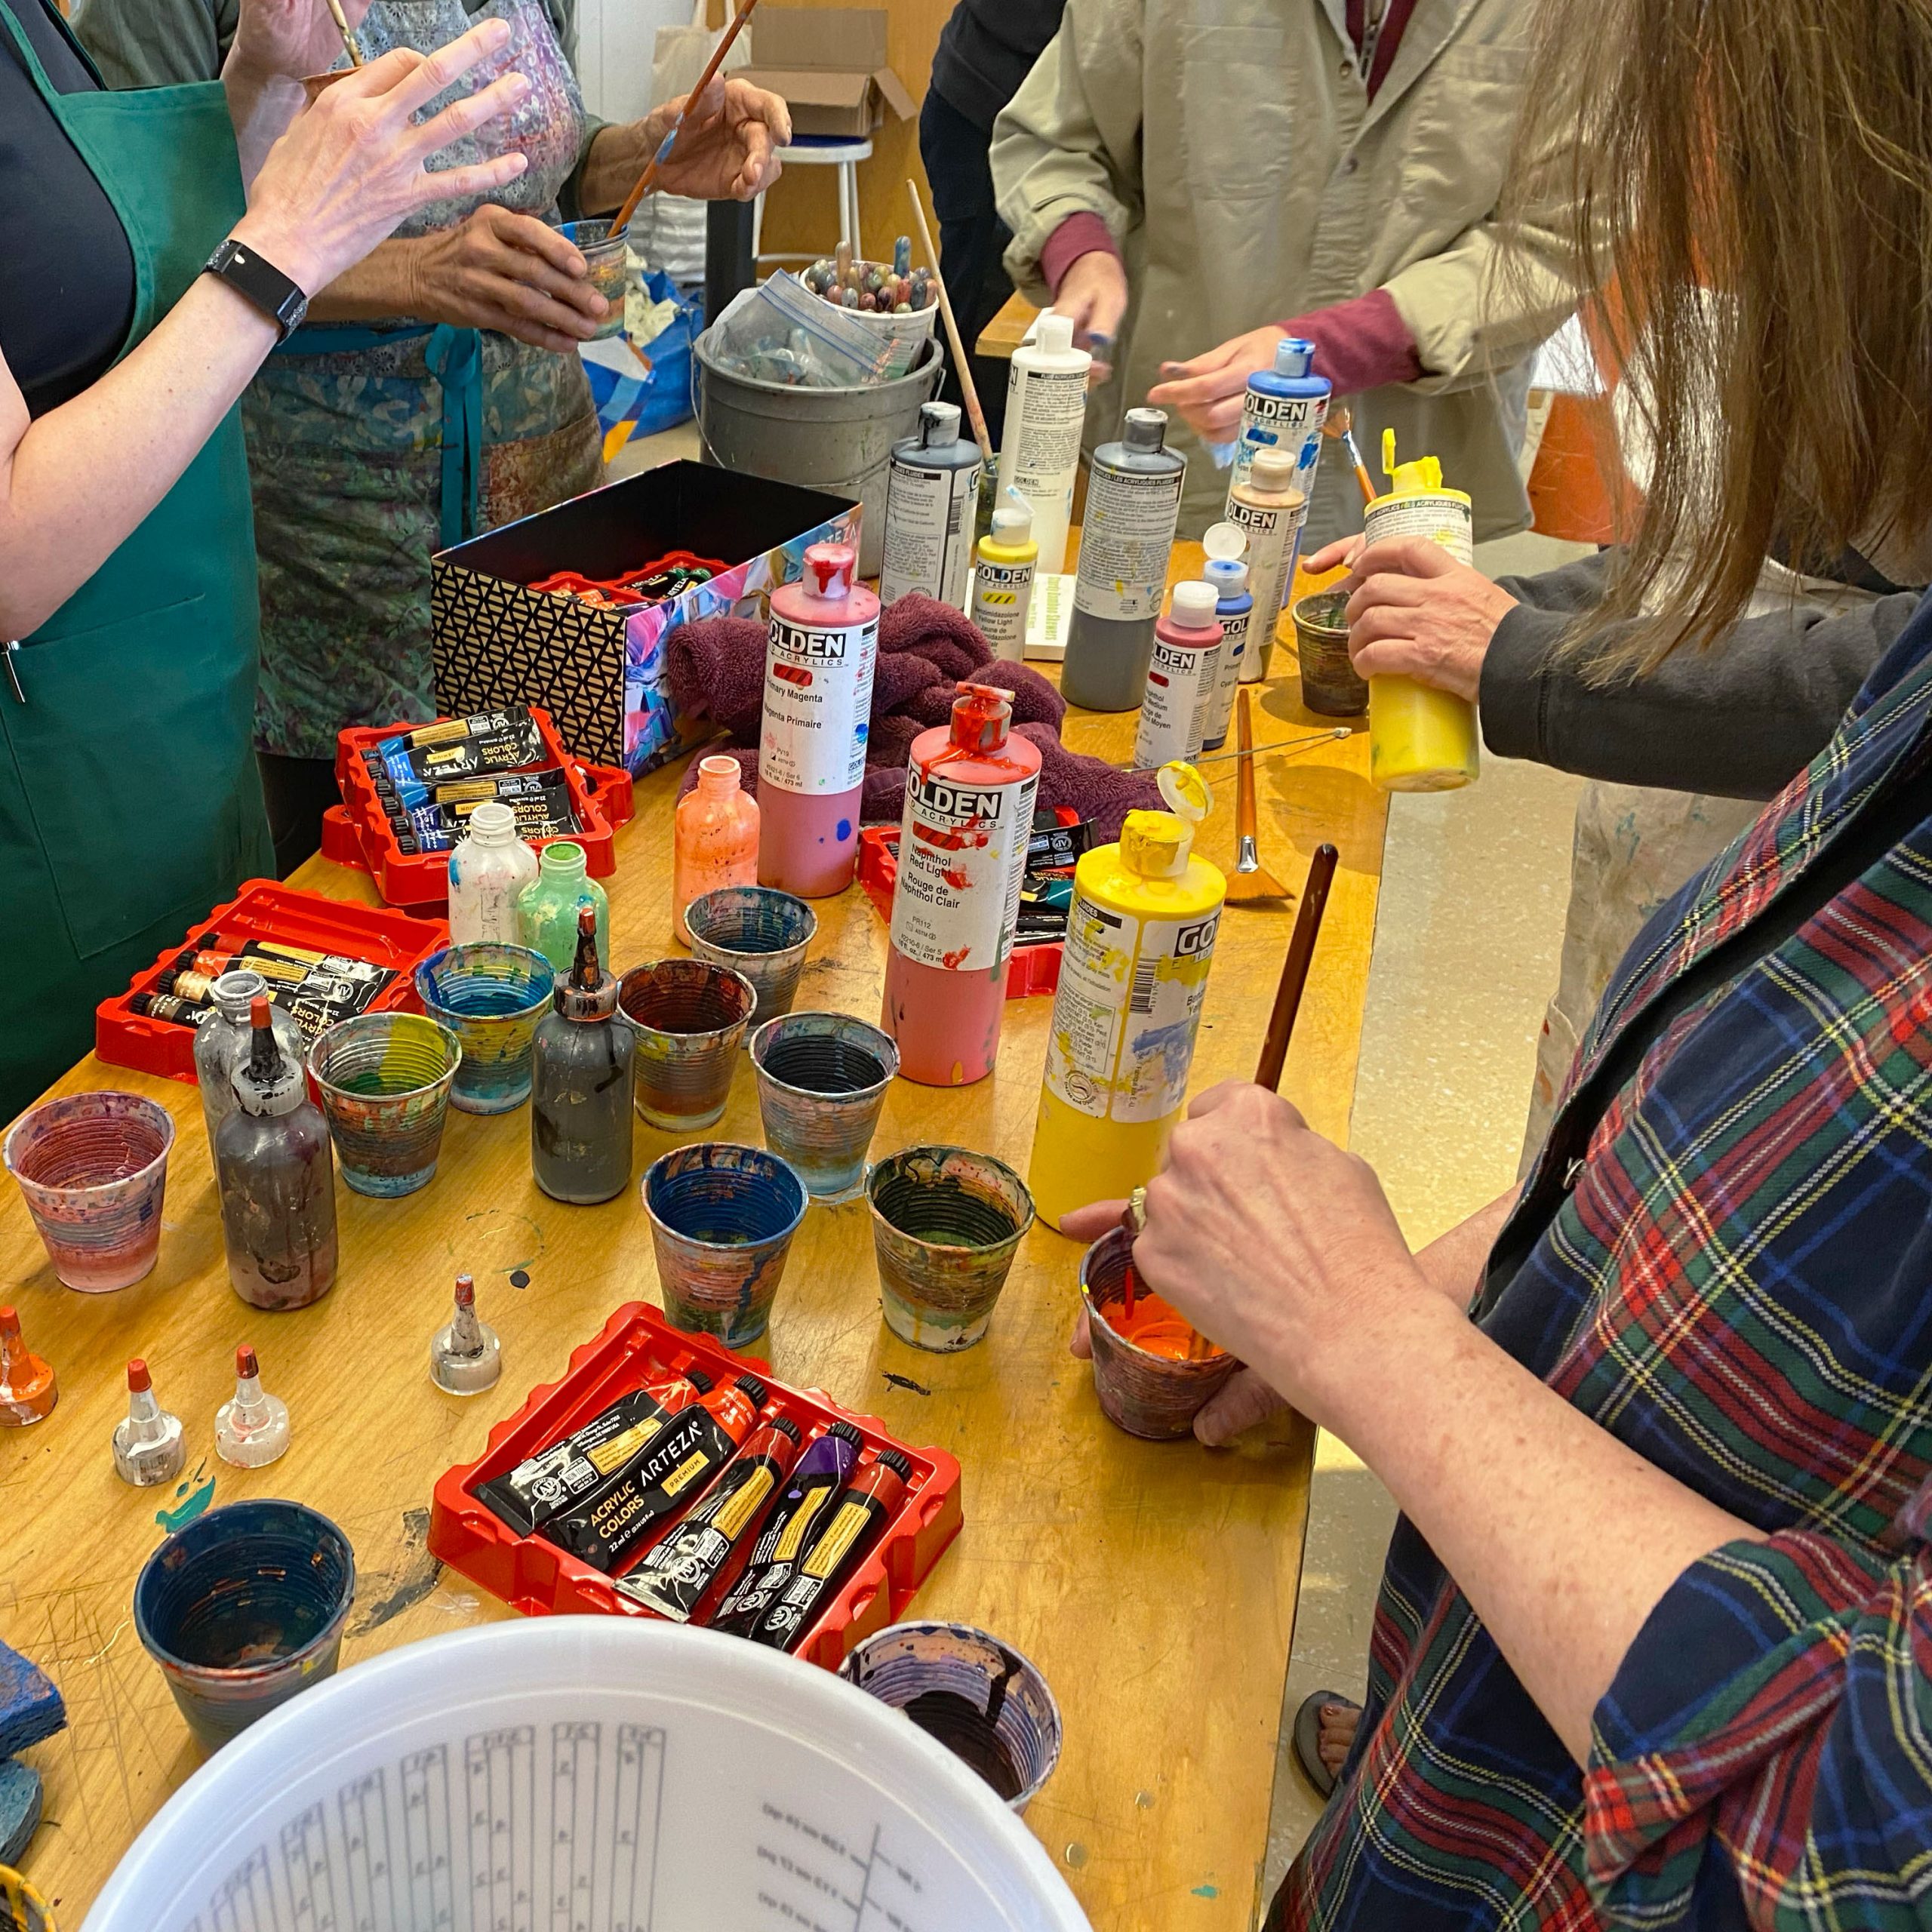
column 1274, row 469
column 830, row 569
column 1054, row 332
column 1222, row 540
column 939, row 423
column 1012, row 526
column 466, row 1291
column 1229, row 575
column 1294, row 356
column 245, row 1364
column 1145, row 428
column 1193, row 605
column 981, row 716
column 138, row 1380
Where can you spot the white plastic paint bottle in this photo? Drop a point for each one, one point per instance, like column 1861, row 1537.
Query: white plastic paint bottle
column 1003, row 580
column 1046, row 408
column 1271, row 509
column 932, row 490
column 489, row 866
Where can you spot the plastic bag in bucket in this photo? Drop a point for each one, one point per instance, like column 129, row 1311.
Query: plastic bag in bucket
column 637, row 398
column 604, row 1774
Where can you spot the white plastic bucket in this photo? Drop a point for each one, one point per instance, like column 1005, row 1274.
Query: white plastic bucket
column 590, row 1775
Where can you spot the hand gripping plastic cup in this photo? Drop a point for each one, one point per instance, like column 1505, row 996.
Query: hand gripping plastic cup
column 722, row 1218
column 603, row 265
column 980, row 1697
column 946, row 1223
column 490, row 996
column 242, row 1609
column 385, row 1081
column 690, row 1017
column 822, row 1084
column 640, row 1772
column 94, row 1168
column 758, row 932
column 1148, row 1383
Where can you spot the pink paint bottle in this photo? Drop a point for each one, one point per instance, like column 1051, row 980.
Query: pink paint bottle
column 969, row 788
column 811, row 751
column 716, row 842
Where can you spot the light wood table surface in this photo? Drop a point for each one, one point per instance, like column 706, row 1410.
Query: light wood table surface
column 1008, row 330
column 1154, row 1584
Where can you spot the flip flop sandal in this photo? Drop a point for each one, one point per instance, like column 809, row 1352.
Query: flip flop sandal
column 1308, row 1738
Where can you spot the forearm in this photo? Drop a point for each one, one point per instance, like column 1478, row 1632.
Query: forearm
column 260, row 106
column 1562, row 1539
column 383, row 285
column 1452, row 1264
column 79, row 479
column 616, row 157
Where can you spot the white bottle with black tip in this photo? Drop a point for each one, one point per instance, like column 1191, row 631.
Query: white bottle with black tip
column 1046, row 410
column 932, row 489
column 1126, row 535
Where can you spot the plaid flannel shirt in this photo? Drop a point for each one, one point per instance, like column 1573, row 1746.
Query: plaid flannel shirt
column 1723, row 1256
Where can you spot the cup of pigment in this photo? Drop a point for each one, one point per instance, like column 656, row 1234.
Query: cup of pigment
column 759, row 932
column 1148, row 1381
column 822, row 1082
column 603, row 255
column 979, row 1698
column 690, row 1017
column 1329, row 685
column 242, row 1609
column 93, row 1168
column 722, row 1218
column 385, row 1081
column 946, row 1223
column 490, row 996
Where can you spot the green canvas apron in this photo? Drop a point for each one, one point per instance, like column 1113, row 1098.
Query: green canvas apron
column 129, row 800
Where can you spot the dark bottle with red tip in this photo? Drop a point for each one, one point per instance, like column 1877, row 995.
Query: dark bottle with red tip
column 276, row 1175
column 581, row 1072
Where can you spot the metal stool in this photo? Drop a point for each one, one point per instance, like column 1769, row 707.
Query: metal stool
column 822, row 151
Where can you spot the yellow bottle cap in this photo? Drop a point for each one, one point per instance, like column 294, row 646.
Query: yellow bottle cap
column 1157, row 845
column 1421, row 476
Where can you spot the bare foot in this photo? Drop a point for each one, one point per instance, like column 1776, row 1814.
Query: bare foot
column 1338, row 1724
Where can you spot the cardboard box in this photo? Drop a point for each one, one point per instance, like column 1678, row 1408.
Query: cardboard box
column 600, row 674
column 829, row 63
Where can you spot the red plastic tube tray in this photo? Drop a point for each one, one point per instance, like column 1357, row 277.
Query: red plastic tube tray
column 638, row 1345
column 1029, row 969
column 365, row 837
column 264, row 908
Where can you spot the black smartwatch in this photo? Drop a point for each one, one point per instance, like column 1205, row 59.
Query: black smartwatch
column 262, row 282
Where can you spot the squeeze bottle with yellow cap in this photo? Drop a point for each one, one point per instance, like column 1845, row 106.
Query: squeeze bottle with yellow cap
column 1420, row 739
column 1003, row 582
column 1133, row 976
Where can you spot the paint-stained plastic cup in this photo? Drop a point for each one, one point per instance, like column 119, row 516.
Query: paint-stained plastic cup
column 22, row 1908
column 244, row 1608
column 758, row 932
column 603, row 265
column 1329, row 685
column 1146, row 1392
column 385, row 1081
column 689, row 1018
column 978, row 1696
column 946, row 1223
column 821, row 1083
column 490, row 996
column 93, row 1168
column 722, row 1217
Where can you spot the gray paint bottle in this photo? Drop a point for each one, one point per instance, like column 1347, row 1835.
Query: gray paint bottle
column 932, row 490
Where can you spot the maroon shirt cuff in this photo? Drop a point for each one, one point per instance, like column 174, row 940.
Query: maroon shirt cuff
column 1360, row 344
column 1082, row 233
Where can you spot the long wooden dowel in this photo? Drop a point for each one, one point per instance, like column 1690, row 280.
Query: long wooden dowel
column 1294, row 968
column 974, row 414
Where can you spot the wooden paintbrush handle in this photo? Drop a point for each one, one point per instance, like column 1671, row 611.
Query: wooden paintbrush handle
column 1247, row 819
column 961, row 367
column 1294, row 968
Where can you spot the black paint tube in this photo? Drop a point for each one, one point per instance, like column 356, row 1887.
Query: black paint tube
column 670, row 1474
column 456, row 748
column 850, row 1531
column 821, row 1474
column 436, row 828
column 1052, row 845
column 544, row 1485
column 166, row 1006
column 675, row 1575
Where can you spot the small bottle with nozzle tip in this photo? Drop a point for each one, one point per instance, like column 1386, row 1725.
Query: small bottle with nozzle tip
column 583, row 1069
column 28, row 1388
column 251, row 1427
column 465, row 1356
column 149, row 1446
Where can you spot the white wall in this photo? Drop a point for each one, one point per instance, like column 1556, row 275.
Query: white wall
column 614, row 41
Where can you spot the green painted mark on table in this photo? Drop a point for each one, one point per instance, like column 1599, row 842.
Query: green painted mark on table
column 198, row 1495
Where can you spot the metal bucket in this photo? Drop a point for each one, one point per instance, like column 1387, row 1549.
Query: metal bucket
column 837, row 440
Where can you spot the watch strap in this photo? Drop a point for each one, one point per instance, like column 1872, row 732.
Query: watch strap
column 250, row 274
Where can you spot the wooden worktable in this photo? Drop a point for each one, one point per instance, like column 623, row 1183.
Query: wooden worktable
column 1154, row 1584
column 1008, row 330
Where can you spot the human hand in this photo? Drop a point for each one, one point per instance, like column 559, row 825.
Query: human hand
column 727, row 150
column 290, row 39
column 1417, row 613
column 505, row 272
column 1334, row 556
column 1208, row 392
column 1092, row 295
column 350, row 167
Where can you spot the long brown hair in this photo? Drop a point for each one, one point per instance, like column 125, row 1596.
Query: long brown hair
column 1749, row 190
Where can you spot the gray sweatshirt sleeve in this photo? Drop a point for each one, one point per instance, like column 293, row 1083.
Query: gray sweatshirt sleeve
column 1737, row 720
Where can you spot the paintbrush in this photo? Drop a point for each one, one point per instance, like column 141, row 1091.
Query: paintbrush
column 350, row 45
column 1294, row 968
column 1250, row 880
column 1339, row 425
column 644, row 181
column 960, row 366
column 1133, row 1219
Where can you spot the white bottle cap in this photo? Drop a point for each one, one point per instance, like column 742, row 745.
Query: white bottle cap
column 1054, row 333
column 1224, row 540
column 1193, row 606
column 1012, row 525
column 1229, row 575
column 492, row 822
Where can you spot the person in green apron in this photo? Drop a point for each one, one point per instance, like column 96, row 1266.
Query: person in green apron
column 157, row 246
column 435, row 391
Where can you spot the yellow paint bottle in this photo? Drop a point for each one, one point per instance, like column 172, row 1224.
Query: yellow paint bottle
column 1140, row 941
column 1420, row 739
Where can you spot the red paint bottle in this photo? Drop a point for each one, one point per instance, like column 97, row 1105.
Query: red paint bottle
column 811, row 750
column 969, row 788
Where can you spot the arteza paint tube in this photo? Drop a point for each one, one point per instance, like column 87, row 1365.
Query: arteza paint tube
column 669, row 1474
column 801, row 1506
column 675, row 1575
column 459, row 748
column 850, row 1530
column 166, row 1006
column 437, row 826
column 1052, row 845
column 508, row 787
column 543, row 1485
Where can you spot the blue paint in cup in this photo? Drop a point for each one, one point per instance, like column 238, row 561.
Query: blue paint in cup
column 490, row 996
column 722, row 1217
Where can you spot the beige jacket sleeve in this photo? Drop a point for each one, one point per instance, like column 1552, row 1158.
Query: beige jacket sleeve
column 1069, row 140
